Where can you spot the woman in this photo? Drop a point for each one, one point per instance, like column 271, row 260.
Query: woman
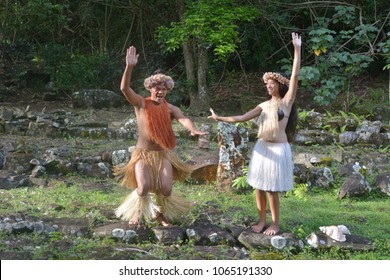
column 271, row 168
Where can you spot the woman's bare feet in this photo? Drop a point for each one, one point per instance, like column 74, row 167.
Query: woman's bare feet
column 258, row 227
column 272, row 230
column 162, row 220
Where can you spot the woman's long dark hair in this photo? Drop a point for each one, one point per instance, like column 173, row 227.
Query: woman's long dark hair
column 291, row 127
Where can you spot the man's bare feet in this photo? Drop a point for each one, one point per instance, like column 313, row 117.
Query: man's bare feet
column 258, row 227
column 162, row 220
column 134, row 222
column 271, row 230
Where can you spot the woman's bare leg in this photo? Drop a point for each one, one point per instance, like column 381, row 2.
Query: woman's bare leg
column 261, row 203
column 273, row 200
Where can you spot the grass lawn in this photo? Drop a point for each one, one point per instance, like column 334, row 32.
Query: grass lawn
column 301, row 214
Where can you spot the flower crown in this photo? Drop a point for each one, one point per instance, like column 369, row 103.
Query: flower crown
column 159, row 79
column 275, row 76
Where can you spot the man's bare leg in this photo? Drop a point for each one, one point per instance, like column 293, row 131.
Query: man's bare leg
column 261, row 203
column 273, row 199
column 135, row 220
column 166, row 180
column 162, row 220
column 142, row 177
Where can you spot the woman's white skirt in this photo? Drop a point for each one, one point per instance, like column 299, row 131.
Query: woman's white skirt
column 271, row 167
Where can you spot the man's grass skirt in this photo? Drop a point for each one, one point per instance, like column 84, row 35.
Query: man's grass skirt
column 135, row 207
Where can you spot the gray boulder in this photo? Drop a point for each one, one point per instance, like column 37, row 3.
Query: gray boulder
column 354, row 242
column 354, row 185
column 383, row 182
column 282, row 240
column 96, row 98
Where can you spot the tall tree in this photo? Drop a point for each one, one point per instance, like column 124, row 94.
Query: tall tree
column 188, row 58
column 204, row 25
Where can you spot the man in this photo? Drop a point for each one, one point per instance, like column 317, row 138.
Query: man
column 153, row 165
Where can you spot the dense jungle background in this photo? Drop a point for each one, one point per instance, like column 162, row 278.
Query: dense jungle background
column 216, row 51
column 212, row 48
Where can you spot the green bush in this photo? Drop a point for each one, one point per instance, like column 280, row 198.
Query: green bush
column 71, row 72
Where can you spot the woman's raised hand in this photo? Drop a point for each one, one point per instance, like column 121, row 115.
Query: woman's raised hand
column 296, row 39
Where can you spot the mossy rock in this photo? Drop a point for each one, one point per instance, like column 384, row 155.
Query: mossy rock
column 327, row 161
column 266, row 256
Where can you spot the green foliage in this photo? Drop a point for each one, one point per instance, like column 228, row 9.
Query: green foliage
column 71, row 72
column 44, row 53
column 321, row 39
column 212, row 23
column 309, row 75
column 384, row 149
column 247, row 124
column 329, row 89
column 240, row 184
column 304, row 114
column 55, row 236
column 338, row 42
column 85, row 71
column 94, row 34
column 341, row 121
column 344, row 14
column 358, row 118
column 384, row 49
column 301, row 231
column 34, row 20
column 299, row 191
column 17, row 60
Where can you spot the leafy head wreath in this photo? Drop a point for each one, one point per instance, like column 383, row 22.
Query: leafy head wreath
column 275, row 76
column 159, row 79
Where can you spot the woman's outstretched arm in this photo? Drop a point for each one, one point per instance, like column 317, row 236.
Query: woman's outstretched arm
column 239, row 118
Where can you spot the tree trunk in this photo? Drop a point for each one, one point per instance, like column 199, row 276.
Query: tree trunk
column 188, row 59
column 190, row 70
column 200, row 102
